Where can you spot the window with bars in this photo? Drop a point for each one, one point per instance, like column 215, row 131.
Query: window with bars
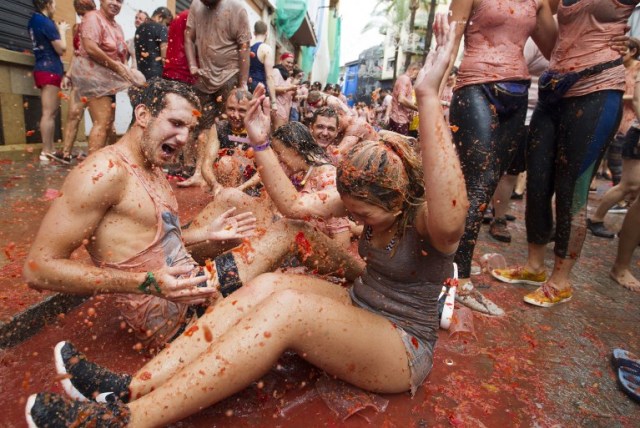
column 14, row 17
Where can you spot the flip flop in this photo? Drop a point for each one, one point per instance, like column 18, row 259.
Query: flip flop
column 627, row 360
column 477, row 302
column 629, row 383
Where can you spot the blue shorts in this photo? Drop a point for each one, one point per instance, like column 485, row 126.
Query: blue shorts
column 419, row 352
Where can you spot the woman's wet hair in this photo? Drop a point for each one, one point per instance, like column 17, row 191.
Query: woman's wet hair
column 386, row 173
column 41, row 5
column 298, row 137
column 154, row 95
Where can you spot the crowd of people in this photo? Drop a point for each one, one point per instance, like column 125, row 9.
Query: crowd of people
column 333, row 223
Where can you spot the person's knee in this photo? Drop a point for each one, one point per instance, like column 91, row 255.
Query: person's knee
column 632, row 187
column 289, row 301
column 226, row 169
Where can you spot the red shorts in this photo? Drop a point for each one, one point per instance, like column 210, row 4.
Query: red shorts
column 43, row 78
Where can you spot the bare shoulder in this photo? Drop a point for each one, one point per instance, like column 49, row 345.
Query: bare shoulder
column 101, row 176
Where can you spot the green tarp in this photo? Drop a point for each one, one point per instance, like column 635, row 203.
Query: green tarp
column 289, row 16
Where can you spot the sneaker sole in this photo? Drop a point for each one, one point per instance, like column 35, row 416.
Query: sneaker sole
column 68, row 387
column 27, row 411
column 515, row 281
column 545, row 305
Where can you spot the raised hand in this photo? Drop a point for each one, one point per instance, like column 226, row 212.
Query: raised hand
column 63, row 27
column 437, row 62
column 257, row 121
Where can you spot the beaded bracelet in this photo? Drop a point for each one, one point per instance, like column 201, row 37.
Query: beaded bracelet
column 263, row 146
column 149, row 281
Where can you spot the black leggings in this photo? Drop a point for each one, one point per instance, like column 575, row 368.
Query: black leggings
column 486, row 142
column 565, row 146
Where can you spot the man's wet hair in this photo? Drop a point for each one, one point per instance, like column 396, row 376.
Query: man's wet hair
column 164, row 13
column 326, row 112
column 154, row 95
column 260, row 27
column 298, row 137
column 314, row 96
column 240, row 94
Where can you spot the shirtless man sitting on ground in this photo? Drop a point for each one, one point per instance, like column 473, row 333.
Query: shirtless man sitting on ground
column 120, row 206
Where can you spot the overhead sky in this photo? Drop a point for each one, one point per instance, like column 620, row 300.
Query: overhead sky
column 355, row 15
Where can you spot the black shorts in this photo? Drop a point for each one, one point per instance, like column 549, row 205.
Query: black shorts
column 631, row 147
column 213, row 105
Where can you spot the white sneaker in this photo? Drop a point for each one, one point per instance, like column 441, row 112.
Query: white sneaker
column 618, row 209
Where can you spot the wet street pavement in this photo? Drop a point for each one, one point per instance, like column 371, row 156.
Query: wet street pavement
column 533, row 367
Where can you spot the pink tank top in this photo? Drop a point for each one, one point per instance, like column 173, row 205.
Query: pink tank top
column 585, row 29
column 494, row 41
column 153, row 319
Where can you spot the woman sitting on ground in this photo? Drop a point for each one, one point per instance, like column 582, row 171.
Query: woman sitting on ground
column 378, row 336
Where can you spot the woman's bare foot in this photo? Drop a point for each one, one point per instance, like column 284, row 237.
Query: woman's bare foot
column 624, row 278
column 195, row 180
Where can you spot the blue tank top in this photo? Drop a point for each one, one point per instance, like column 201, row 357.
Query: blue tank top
column 257, row 73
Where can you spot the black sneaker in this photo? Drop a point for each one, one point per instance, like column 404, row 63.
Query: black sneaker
column 47, row 410
column 598, row 229
column 499, row 231
column 83, row 380
column 59, row 157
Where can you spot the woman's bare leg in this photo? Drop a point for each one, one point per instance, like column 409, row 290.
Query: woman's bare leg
column 629, row 184
column 102, row 115
column 50, row 105
column 502, row 195
column 74, row 116
column 224, row 315
column 200, row 146
column 629, row 241
column 350, row 343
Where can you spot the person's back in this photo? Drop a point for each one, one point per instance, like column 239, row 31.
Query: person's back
column 147, row 44
column 42, row 30
column 256, row 68
column 177, row 67
column 222, row 29
column 151, row 43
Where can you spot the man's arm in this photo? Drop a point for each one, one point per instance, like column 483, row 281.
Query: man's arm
column 99, row 56
column 87, row 194
column 268, row 60
column 243, row 64
column 190, row 49
column 60, row 45
column 163, row 51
